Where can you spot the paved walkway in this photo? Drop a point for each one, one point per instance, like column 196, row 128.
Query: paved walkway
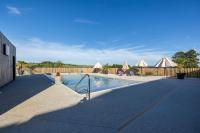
column 34, row 104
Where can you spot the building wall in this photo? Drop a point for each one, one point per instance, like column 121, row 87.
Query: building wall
column 6, row 62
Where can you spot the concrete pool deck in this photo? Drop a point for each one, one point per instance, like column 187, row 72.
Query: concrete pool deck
column 35, row 104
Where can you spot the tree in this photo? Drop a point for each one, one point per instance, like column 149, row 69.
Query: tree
column 179, row 58
column 106, row 68
column 192, row 59
column 186, row 59
column 21, row 64
column 116, row 66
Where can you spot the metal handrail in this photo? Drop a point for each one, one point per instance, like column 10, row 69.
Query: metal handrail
column 86, row 75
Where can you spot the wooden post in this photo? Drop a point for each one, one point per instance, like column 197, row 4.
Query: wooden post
column 164, row 71
column 157, row 71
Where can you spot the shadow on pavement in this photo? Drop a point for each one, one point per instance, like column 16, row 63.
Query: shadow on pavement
column 110, row 112
column 23, row 88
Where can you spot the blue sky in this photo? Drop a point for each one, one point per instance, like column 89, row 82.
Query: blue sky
column 109, row 31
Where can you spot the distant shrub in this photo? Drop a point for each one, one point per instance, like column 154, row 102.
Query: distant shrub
column 106, row 69
column 135, row 70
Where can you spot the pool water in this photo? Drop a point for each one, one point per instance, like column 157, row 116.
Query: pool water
column 97, row 83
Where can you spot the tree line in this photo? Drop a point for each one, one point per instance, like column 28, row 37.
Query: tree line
column 49, row 64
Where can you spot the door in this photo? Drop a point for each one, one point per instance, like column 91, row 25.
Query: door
column 14, row 67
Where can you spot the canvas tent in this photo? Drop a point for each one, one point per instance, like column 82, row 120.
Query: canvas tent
column 165, row 62
column 125, row 66
column 142, row 63
column 98, row 65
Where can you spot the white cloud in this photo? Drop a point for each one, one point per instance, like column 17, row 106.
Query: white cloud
column 13, row 10
column 85, row 21
column 36, row 50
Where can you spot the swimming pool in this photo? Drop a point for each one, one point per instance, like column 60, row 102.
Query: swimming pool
column 98, row 83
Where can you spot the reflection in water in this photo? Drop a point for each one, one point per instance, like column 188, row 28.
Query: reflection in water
column 98, row 83
column 97, row 78
column 106, row 81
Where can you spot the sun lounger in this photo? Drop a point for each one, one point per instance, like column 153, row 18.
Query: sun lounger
column 131, row 73
column 120, row 73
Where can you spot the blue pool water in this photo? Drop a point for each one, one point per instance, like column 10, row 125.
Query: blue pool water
column 97, row 83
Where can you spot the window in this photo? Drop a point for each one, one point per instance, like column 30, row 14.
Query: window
column 6, row 49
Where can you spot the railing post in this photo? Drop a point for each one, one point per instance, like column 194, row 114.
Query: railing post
column 86, row 75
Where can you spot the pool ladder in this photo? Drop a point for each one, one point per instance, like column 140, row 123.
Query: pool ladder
column 88, row 89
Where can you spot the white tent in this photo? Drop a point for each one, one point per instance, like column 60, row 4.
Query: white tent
column 98, row 65
column 165, row 62
column 125, row 66
column 142, row 63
